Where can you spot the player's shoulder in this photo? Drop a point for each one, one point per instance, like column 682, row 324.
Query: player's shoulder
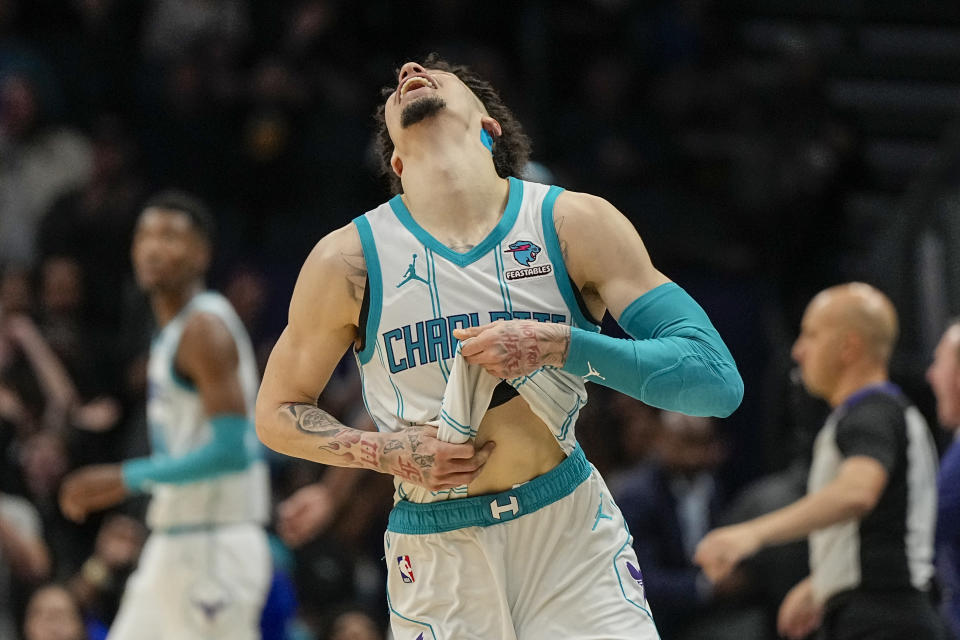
column 206, row 331
column 588, row 219
column 576, row 204
column 333, row 277
column 337, row 253
column 346, row 239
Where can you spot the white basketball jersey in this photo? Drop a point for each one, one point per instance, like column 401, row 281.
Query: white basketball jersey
column 421, row 290
column 178, row 424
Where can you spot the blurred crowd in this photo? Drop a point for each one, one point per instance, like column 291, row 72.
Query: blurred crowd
column 264, row 109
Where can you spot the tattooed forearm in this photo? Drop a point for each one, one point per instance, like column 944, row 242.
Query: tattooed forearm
column 339, row 444
column 369, row 453
column 412, row 454
column 527, row 346
column 311, row 419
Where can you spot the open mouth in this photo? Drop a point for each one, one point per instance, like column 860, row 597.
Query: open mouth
column 415, row 82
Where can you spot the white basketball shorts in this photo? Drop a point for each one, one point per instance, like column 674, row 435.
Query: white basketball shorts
column 202, row 584
column 551, row 558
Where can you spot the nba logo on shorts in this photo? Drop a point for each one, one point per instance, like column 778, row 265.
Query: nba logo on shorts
column 406, row 569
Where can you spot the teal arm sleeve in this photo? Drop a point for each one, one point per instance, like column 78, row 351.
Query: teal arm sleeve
column 225, row 453
column 677, row 360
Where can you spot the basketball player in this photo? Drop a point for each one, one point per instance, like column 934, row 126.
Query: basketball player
column 205, row 569
column 871, row 502
column 501, row 528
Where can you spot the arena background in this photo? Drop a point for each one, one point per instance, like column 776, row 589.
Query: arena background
column 764, row 149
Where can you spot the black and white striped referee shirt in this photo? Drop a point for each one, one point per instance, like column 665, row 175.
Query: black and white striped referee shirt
column 890, row 548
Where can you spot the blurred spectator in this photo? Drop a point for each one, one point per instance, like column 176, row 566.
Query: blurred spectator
column 53, row 614
column 770, row 574
column 944, row 377
column 669, row 504
column 43, row 462
column 310, row 510
column 93, row 224
column 39, row 161
column 354, row 625
column 99, row 584
column 61, row 320
column 639, row 426
column 79, row 347
column 28, row 365
column 24, row 558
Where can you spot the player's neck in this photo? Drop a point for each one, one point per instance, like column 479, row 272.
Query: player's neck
column 167, row 304
column 856, row 380
column 453, row 187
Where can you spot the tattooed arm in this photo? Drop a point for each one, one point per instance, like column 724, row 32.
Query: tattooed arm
column 322, row 325
column 413, row 454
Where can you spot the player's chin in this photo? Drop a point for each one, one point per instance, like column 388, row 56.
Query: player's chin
column 420, row 109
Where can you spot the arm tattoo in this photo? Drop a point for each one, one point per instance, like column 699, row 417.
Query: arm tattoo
column 563, row 243
column 335, row 439
column 323, row 439
column 406, row 471
column 527, row 346
column 356, row 270
column 368, row 452
column 414, row 441
column 422, row 460
column 311, row 419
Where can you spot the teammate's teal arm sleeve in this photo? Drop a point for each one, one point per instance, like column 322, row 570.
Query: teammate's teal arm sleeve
column 677, row 360
column 226, row 452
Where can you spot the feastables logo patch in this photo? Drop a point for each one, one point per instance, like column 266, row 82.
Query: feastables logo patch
column 525, row 253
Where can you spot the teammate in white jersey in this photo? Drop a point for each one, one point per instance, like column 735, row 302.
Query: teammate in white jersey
column 470, row 300
column 205, row 570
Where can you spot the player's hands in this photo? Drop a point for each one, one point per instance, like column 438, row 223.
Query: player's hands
column 416, row 455
column 305, row 514
column 91, row 489
column 800, row 614
column 513, row 348
column 722, row 549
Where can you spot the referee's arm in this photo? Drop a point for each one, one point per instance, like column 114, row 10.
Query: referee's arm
column 853, row 493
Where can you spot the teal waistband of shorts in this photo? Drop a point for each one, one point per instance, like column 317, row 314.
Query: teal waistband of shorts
column 495, row 508
column 200, row 527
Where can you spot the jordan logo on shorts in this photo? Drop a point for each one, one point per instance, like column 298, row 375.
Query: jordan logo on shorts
column 406, row 569
column 512, row 507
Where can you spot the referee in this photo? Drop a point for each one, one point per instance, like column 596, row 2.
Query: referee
column 871, row 505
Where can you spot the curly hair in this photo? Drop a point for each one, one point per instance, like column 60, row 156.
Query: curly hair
column 511, row 149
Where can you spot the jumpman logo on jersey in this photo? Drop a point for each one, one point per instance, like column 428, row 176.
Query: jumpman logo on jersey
column 411, row 274
column 592, row 372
